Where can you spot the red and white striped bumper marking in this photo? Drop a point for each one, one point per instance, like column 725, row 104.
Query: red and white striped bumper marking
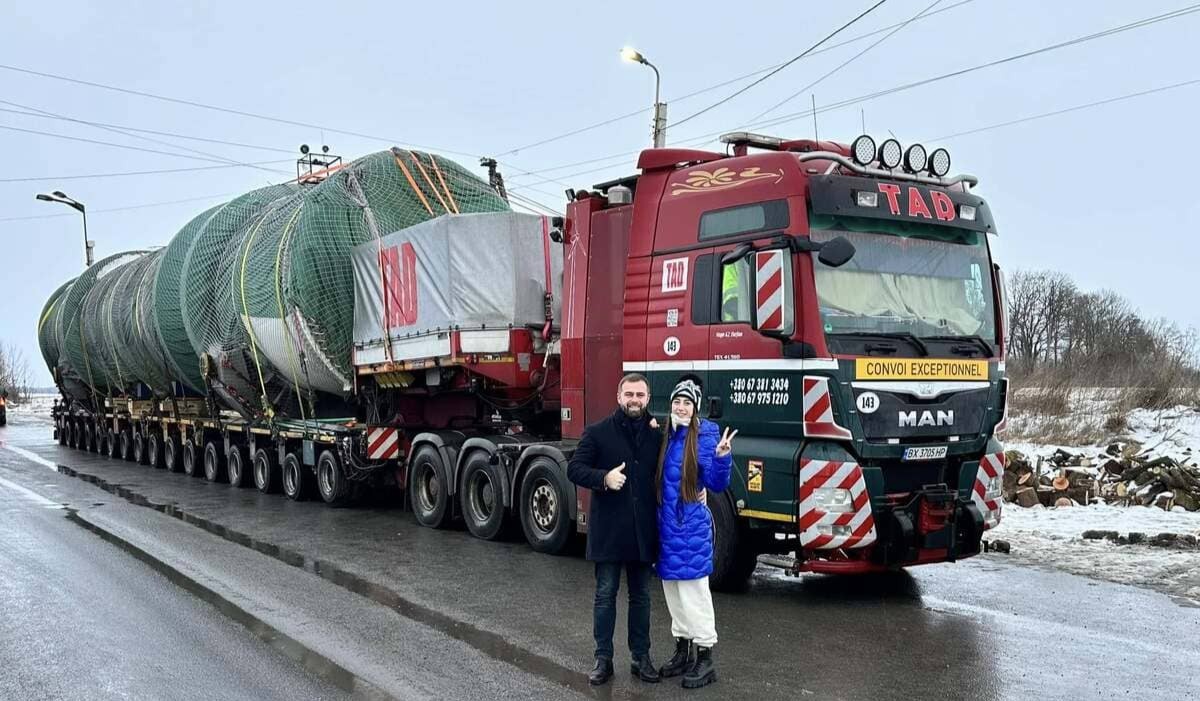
column 816, row 524
column 769, row 292
column 990, row 466
column 818, row 411
column 383, row 443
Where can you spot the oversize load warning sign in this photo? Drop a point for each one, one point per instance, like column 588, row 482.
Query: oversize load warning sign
column 920, row 369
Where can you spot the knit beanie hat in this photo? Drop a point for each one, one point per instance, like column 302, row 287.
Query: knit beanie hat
column 688, row 390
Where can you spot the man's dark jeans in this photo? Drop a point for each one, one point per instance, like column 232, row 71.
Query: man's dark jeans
column 604, row 610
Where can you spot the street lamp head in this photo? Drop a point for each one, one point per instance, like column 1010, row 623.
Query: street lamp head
column 632, row 55
column 45, row 198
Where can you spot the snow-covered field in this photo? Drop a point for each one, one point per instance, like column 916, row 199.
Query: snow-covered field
column 1051, row 537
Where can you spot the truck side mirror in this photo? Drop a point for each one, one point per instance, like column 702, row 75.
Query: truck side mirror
column 836, row 252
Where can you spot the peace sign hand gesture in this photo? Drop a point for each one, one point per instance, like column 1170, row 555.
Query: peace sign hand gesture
column 726, row 444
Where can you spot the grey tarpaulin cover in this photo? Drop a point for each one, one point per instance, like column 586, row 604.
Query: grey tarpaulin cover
column 457, row 272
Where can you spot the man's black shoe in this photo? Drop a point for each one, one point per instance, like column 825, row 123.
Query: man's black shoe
column 601, row 673
column 702, row 671
column 681, row 660
column 644, row 669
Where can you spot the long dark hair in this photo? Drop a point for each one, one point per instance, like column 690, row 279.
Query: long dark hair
column 688, row 489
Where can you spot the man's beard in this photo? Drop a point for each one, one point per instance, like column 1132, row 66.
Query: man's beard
column 634, row 411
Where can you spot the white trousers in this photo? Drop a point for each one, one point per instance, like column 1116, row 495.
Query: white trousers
column 690, row 603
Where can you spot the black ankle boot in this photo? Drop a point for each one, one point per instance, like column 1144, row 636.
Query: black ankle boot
column 602, row 672
column 701, row 672
column 644, row 669
column 683, row 658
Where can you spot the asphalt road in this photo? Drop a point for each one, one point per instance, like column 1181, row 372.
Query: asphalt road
column 983, row 628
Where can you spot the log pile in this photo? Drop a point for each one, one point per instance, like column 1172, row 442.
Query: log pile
column 1122, row 474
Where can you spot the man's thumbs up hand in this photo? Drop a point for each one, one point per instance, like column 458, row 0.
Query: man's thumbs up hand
column 615, row 478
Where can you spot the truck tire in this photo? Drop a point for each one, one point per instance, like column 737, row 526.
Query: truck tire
column 543, row 507
column 154, row 450
column 62, row 432
column 139, row 449
column 733, row 559
column 214, row 462
column 171, row 453
column 266, row 471
column 481, row 497
column 235, row 462
column 125, row 445
column 331, row 480
column 89, row 436
column 428, row 492
column 189, row 459
column 295, row 478
column 113, row 443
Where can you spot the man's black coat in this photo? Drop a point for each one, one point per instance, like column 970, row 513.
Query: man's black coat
column 622, row 524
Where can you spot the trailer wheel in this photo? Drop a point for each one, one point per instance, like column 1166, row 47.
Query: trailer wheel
column 331, row 480
column 189, row 458
column 235, row 462
column 295, row 478
column 214, row 462
column 266, row 471
column 89, row 436
column 61, row 432
column 154, row 450
column 125, row 443
column 171, row 453
column 733, row 559
column 544, row 508
column 113, row 443
column 481, row 497
column 139, row 449
column 427, row 488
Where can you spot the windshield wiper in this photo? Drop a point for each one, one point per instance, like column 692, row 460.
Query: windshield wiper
column 902, row 335
column 973, row 338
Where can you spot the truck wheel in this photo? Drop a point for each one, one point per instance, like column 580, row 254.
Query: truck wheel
column 481, row 497
column 113, row 443
column 295, row 478
column 125, row 445
column 236, row 465
column 544, row 508
column 214, row 462
column 89, row 436
column 139, row 449
column 154, row 450
column 733, row 559
column 61, row 432
column 427, row 489
column 266, row 471
column 331, row 480
column 171, row 453
column 189, row 458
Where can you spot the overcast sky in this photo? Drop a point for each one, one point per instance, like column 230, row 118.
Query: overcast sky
column 1096, row 192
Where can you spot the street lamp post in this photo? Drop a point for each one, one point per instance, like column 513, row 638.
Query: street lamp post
column 632, row 55
column 59, row 196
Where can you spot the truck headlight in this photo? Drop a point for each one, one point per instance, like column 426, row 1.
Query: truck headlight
column 833, row 500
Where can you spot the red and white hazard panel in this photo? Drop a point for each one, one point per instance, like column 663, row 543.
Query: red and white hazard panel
column 769, row 290
column 986, row 491
column 818, row 411
column 383, row 443
column 835, row 509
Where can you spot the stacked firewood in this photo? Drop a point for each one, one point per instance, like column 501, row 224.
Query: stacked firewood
column 1123, row 474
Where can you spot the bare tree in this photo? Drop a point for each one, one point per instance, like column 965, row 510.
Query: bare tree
column 14, row 373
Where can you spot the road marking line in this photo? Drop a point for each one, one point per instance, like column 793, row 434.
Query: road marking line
column 29, row 494
column 32, row 456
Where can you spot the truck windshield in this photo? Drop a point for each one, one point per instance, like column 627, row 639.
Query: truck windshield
column 923, row 280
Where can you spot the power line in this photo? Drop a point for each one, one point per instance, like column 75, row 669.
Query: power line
column 724, row 83
column 806, row 52
column 124, row 209
column 845, row 63
column 92, row 176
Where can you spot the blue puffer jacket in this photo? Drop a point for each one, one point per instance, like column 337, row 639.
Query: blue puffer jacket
column 685, row 528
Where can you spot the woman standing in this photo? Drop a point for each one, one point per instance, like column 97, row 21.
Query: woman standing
column 694, row 457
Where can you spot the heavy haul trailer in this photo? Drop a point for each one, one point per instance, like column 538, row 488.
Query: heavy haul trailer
column 839, row 305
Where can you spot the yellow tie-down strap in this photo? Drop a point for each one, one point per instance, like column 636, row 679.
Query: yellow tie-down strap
column 920, row 369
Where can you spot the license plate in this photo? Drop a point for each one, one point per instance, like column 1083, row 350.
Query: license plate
column 934, row 452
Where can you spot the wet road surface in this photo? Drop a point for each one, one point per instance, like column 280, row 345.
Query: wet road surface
column 979, row 629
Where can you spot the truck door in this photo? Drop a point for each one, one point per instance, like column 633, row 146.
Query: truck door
column 677, row 338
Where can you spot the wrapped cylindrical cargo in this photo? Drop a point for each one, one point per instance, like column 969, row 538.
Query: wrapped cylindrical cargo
column 148, row 358
column 109, row 359
column 208, row 274
column 75, row 357
column 293, row 286
column 167, row 311
column 46, row 338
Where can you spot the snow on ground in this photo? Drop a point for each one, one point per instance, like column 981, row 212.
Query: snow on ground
column 1051, row 537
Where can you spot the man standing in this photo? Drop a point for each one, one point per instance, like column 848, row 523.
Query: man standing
column 616, row 459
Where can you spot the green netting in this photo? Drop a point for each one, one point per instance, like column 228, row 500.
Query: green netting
column 46, row 338
column 262, row 284
column 75, row 359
